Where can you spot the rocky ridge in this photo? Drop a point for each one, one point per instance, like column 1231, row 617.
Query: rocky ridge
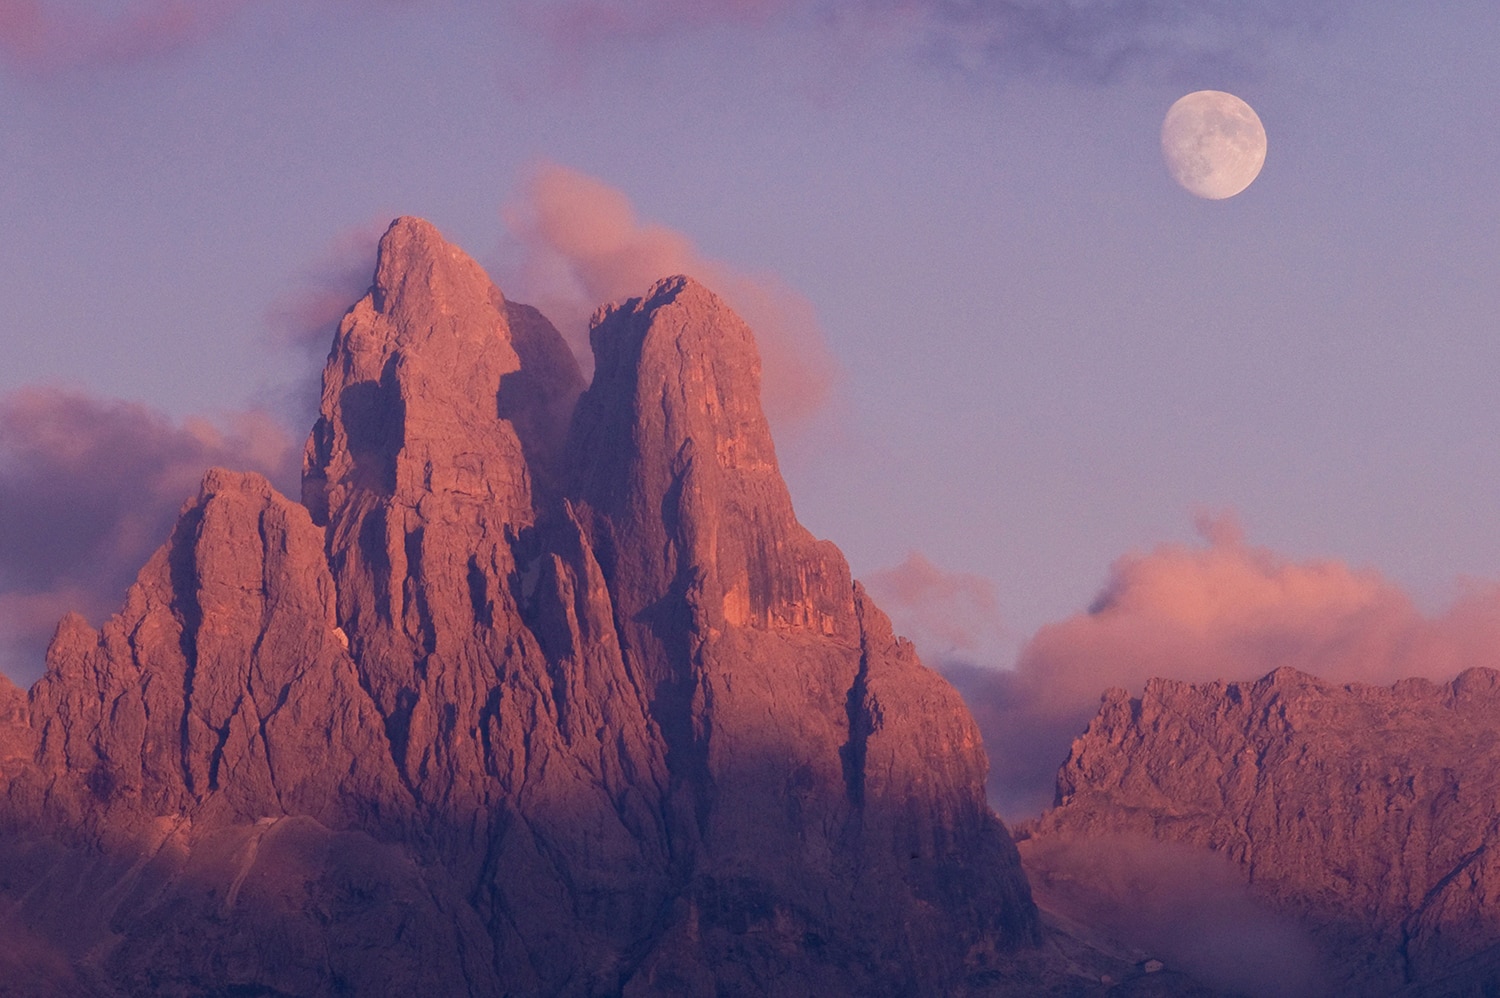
column 542, row 689
column 1367, row 813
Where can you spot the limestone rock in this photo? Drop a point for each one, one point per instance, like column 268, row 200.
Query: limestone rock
column 525, row 700
column 478, row 617
column 821, row 778
column 223, row 682
column 1366, row 811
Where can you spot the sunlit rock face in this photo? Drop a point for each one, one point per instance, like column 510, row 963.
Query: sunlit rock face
column 541, row 690
column 1366, row 813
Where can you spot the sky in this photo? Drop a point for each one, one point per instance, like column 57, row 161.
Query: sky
column 1074, row 425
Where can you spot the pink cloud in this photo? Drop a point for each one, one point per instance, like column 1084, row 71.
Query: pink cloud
column 598, row 20
column 90, row 487
column 38, row 36
column 329, row 285
column 1223, row 610
column 945, row 614
column 1233, row 611
column 584, row 246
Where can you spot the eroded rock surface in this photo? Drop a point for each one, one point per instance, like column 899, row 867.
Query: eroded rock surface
column 1368, row 812
column 522, row 700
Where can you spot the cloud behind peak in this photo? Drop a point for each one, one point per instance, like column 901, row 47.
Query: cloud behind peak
column 583, row 245
column 90, row 487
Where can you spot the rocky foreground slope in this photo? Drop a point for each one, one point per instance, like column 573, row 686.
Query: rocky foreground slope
column 539, row 690
column 1369, row 816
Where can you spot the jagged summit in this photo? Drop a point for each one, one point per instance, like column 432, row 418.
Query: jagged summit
column 420, row 279
column 531, row 697
column 424, row 388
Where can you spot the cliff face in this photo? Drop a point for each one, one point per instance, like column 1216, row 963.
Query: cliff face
column 224, row 686
column 817, row 773
column 522, row 699
column 1368, row 812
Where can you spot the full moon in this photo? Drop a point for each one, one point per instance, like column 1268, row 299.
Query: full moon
column 1214, row 144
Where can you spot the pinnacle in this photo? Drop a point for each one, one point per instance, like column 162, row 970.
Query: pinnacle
column 416, row 267
column 409, row 239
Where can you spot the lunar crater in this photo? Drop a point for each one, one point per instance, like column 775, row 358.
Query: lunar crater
column 1213, row 143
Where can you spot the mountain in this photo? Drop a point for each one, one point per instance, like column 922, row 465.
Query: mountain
column 1365, row 815
column 540, row 689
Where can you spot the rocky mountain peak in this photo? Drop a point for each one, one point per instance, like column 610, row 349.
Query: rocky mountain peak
column 673, row 421
column 679, row 351
column 419, row 275
column 523, row 709
column 425, row 392
column 15, row 730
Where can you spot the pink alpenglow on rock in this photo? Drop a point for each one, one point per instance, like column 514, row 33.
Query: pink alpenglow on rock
column 1362, row 813
column 544, row 690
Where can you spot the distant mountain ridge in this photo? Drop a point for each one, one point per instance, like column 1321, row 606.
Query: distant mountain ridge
column 541, row 690
column 1368, row 813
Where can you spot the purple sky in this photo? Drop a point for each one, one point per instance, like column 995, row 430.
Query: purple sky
column 1037, row 354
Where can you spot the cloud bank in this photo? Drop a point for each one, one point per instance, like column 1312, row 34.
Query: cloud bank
column 583, row 245
column 90, row 487
column 1222, row 610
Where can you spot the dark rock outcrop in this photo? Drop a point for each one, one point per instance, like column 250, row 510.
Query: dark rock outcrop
column 522, row 700
column 1367, row 812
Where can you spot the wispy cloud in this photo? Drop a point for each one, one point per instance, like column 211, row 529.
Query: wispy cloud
column 90, row 487
column 1188, row 907
column 594, row 20
column 1104, row 39
column 1092, row 39
column 42, row 36
column 308, row 315
column 948, row 615
column 583, row 246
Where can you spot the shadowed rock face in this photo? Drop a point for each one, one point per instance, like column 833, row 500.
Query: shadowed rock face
column 523, row 700
column 1368, row 812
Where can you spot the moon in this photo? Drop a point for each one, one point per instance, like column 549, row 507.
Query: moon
column 1213, row 143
